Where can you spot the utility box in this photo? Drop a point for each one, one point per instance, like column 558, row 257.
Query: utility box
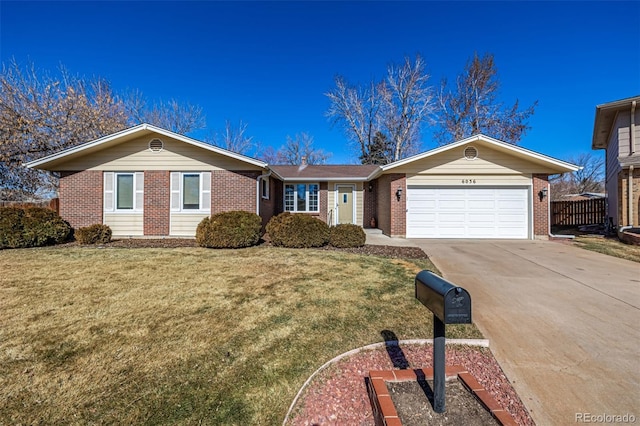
column 449, row 303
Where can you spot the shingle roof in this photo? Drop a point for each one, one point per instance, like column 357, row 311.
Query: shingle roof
column 324, row 172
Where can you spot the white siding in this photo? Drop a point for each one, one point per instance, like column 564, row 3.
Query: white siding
column 479, row 179
column 185, row 224
column 490, row 161
column 125, row 224
column 176, row 155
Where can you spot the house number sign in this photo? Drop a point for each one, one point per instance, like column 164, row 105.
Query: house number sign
column 468, row 181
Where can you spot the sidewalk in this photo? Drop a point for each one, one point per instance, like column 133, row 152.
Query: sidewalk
column 375, row 237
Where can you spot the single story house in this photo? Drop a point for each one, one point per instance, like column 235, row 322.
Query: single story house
column 147, row 181
column 616, row 132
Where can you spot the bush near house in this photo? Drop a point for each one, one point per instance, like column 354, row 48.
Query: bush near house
column 297, row 231
column 347, row 235
column 93, row 234
column 235, row 229
column 31, row 227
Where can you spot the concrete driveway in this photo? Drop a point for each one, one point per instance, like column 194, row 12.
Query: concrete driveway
column 563, row 322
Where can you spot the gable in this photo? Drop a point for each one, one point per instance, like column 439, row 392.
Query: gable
column 489, row 161
column 130, row 150
column 136, row 155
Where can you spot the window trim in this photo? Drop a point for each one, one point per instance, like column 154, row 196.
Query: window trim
column 137, row 192
column 204, row 195
column 264, row 188
column 295, row 204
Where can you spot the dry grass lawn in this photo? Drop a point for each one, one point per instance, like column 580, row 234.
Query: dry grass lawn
column 609, row 246
column 188, row 335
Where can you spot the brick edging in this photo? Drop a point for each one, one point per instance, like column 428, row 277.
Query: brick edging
column 384, row 411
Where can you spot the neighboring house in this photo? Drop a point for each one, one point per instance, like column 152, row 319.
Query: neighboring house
column 616, row 132
column 583, row 196
column 146, row 181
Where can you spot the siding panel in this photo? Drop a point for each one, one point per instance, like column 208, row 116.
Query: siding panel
column 176, row 155
column 185, row 224
column 125, row 224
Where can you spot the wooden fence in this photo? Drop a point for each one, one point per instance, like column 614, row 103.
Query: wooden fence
column 576, row 213
column 53, row 204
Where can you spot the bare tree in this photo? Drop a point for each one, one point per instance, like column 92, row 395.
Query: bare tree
column 590, row 178
column 234, row 138
column 41, row 114
column 396, row 108
column 473, row 107
column 172, row 115
column 296, row 150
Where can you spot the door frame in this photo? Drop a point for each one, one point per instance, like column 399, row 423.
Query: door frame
column 337, row 201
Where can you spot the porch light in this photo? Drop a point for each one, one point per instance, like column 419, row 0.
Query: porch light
column 543, row 193
column 399, row 193
column 370, row 187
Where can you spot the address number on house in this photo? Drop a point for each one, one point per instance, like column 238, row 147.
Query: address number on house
column 468, row 181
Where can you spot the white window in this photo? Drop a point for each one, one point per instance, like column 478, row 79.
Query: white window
column 301, row 197
column 264, row 188
column 191, row 191
column 123, row 191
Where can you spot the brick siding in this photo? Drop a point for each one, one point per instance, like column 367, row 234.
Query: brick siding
column 233, row 190
column 392, row 217
column 370, row 204
column 157, row 194
column 540, row 207
column 80, row 195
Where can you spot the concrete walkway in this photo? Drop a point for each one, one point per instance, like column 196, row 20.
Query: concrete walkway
column 564, row 323
column 377, row 238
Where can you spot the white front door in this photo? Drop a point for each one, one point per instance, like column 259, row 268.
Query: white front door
column 497, row 212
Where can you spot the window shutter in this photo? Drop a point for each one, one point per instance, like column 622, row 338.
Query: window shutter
column 139, row 191
column 206, row 191
column 108, row 192
column 175, row 191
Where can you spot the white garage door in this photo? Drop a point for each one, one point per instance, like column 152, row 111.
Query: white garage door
column 467, row 212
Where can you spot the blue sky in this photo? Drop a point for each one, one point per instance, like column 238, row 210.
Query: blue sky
column 270, row 63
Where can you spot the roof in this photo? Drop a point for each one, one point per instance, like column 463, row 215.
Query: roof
column 310, row 172
column 553, row 163
column 605, row 116
column 129, row 134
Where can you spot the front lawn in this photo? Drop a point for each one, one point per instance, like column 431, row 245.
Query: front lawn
column 188, row 335
column 611, row 246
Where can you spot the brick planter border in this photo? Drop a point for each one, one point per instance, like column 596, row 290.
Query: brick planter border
column 384, row 411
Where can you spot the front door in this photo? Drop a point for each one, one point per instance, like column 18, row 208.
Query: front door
column 345, row 204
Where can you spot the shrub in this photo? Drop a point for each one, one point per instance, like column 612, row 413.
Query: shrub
column 234, row 229
column 347, row 235
column 31, row 227
column 297, row 231
column 93, row 234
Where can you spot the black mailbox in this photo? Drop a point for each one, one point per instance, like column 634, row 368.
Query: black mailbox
column 449, row 303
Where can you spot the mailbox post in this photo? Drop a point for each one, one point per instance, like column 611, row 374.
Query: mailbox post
column 449, row 304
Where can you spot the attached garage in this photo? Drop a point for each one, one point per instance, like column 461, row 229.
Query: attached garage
column 468, row 212
column 478, row 187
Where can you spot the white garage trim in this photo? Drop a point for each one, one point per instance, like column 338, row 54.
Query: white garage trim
column 503, row 212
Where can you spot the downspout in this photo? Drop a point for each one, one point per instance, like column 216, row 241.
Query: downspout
column 558, row 236
column 632, row 145
column 258, row 190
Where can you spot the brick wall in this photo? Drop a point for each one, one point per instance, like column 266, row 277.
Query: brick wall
column 370, row 203
column 233, row 190
column 540, row 207
column 623, row 198
column 268, row 206
column 392, row 217
column 157, row 194
column 80, row 196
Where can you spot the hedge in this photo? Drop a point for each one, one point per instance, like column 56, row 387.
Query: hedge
column 347, row 235
column 31, row 227
column 235, row 229
column 297, row 231
column 93, row 234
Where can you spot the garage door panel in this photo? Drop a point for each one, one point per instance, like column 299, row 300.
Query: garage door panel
column 467, row 212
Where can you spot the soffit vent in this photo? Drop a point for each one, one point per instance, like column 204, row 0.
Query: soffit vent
column 470, row 153
column 156, row 145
